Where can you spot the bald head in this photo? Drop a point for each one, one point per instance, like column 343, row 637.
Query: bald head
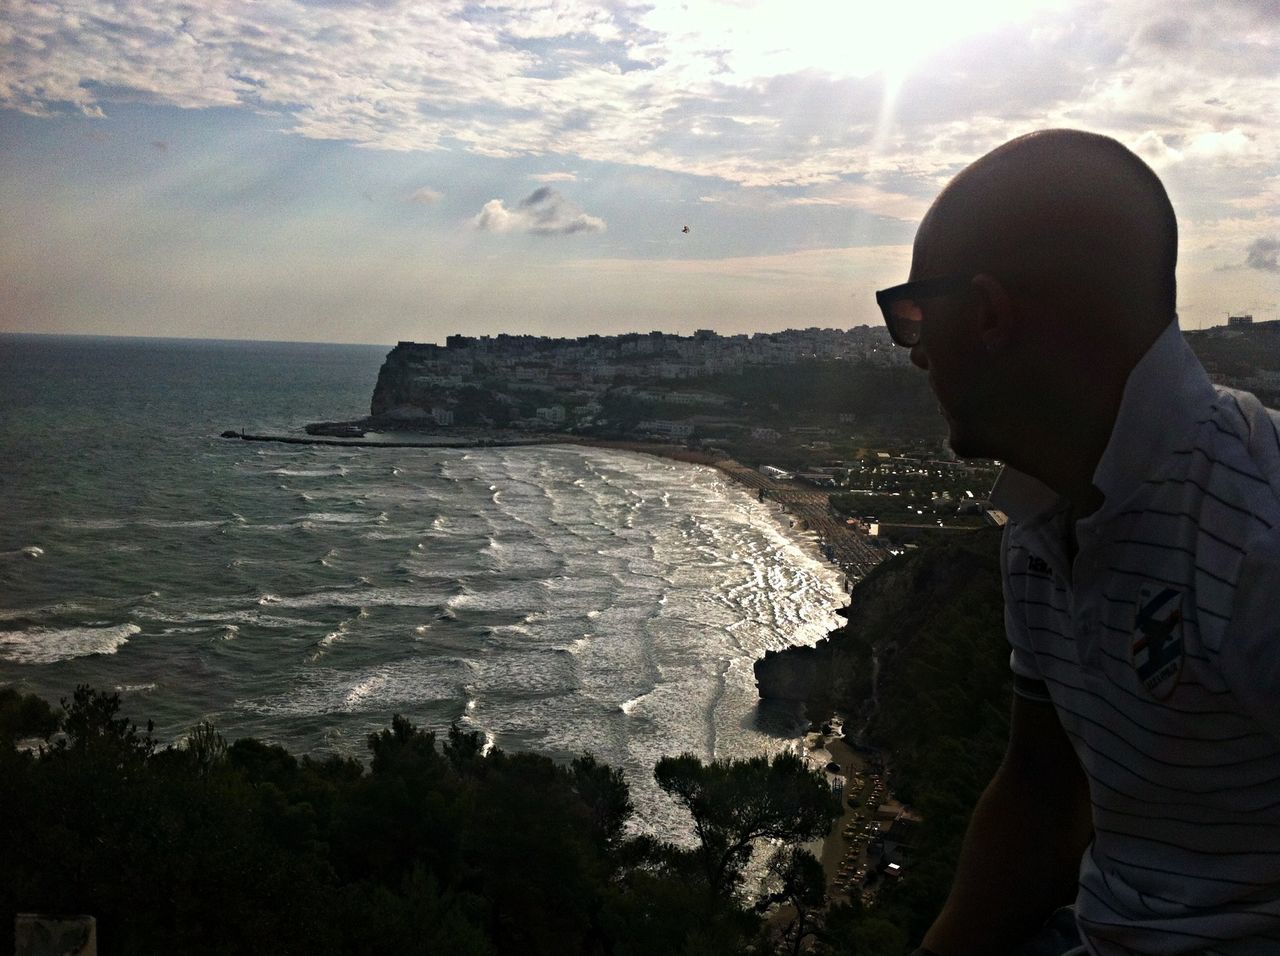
column 1074, row 222
column 1069, row 243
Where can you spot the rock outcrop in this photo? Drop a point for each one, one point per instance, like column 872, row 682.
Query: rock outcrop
column 403, row 382
column 886, row 610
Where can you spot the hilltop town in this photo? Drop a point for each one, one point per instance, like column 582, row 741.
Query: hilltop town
column 706, row 386
column 596, row 382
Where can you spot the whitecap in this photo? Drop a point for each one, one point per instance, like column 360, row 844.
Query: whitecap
column 363, row 690
column 167, row 524
column 578, row 646
column 329, row 472
column 46, row 645
column 30, row 551
column 332, row 517
column 251, row 616
column 390, row 535
column 382, row 688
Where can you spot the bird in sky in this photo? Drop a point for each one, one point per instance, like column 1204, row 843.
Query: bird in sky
column 685, row 229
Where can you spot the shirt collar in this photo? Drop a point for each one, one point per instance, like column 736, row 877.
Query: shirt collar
column 1166, row 394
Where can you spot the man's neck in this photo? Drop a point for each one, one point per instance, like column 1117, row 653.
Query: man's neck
column 1066, row 465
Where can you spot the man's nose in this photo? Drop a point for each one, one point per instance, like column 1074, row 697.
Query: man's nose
column 918, row 358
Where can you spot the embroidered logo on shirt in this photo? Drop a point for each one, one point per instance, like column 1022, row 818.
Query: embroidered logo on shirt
column 1156, row 652
column 1038, row 565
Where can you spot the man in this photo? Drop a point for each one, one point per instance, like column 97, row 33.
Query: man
column 1141, row 564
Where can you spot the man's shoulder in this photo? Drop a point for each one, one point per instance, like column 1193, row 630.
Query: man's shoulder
column 1237, row 453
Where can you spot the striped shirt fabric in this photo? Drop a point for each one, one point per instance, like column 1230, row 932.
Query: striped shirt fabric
column 1159, row 647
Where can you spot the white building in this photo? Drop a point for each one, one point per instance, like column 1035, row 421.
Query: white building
column 670, row 429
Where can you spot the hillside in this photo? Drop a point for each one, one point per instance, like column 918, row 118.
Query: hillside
column 933, row 620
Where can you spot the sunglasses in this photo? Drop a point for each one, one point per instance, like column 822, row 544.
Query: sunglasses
column 900, row 305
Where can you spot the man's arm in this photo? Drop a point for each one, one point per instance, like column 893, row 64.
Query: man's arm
column 1021, row 854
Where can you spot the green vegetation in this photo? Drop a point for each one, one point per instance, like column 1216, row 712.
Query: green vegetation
column 435, row 846
column 23, row 716
column 734, row 803
column 936, row 621
column 945, row 719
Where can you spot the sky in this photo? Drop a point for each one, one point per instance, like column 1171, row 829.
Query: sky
column 325, row 170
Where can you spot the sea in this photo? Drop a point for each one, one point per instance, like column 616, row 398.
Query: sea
column 556, row 599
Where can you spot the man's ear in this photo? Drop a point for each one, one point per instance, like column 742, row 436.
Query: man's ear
column 999, row 319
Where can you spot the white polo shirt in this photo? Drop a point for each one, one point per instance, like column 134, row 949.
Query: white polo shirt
column 1159, row 646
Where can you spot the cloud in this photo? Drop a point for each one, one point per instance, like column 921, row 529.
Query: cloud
column 425, row 195
column 756, row 94
column 544, row 212
column 1264, row 254
column 554, row 177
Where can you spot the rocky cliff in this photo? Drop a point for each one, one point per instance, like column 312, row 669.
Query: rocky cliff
column 888, row 610
column 401, row 384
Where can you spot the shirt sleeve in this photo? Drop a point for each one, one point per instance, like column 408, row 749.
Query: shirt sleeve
column 1249, row 656
column 1027, row 680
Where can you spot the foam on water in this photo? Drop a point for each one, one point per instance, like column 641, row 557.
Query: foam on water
column 44, row 645
column 233, row 618
column 330, row 517
column 30, row 551
column 163, row 523
column 629, row 706
column 396, row 685
column 332, row 471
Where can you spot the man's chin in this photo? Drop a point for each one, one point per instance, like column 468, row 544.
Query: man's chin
column 966, row 445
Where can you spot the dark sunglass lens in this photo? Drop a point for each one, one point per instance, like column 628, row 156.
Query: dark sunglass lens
column 904, row 318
